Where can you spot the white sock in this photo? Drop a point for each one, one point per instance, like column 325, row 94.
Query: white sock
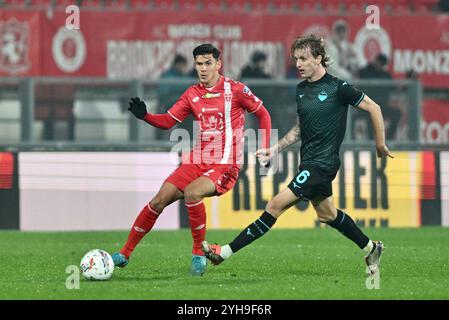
column 369, row 247
column 226, row 252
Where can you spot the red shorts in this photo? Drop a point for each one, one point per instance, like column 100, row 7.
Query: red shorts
column 224, row 176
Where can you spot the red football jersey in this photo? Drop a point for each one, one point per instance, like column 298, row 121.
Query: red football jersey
column 220, row 114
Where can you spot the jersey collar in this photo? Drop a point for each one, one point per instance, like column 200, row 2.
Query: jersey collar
column 324, row 77
column 218, row 85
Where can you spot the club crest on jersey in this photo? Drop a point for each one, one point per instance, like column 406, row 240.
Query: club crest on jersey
column 211, row 95
column 322, row 96
column 212, row 122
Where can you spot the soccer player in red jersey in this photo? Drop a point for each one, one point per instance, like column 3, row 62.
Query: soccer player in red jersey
column 218, row 104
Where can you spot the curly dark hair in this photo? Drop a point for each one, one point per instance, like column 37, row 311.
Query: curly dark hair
column 315, row 44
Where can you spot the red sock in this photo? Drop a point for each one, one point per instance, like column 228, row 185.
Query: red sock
column 143, row 224
column 197, row 217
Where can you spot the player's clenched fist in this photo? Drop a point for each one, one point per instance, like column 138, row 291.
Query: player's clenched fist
column 137, row 107
column 264, row 156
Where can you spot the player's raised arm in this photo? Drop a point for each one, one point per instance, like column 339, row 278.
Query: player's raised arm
column 367, row 104
column 138, row 108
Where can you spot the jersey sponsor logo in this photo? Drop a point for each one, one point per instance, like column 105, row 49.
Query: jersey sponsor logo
column 246, row 90
column 209, row 109
column 195, row 99
column 322, row 96
column 301, row 95
column 344, row 83
column 211, row 95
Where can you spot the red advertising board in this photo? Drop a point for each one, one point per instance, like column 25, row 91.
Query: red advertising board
column 142, row 44
column 435, row 122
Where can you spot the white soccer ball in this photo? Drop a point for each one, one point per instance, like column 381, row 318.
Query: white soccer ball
column 97, row 264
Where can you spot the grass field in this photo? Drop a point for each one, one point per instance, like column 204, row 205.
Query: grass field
column 285, row 264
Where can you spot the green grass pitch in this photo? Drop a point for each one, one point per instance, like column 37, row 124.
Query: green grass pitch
column 284, row 264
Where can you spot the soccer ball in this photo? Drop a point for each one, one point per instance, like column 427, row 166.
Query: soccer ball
column 97, row 264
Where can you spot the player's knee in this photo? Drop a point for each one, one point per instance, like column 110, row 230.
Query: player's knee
column 158, row 203
column 323, row 218
column 192, row 194
column 274, row 207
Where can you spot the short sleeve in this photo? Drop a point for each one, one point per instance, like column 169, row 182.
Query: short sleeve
column 247, row 99
column 348, row 94
column 181, row 109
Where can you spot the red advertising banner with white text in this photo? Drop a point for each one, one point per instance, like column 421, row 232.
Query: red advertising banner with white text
column 142, row 44
column 435, row 122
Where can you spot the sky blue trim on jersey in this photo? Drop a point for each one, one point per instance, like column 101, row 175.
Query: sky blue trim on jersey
column 360, row 100
column 344, row 215
column 268, row 228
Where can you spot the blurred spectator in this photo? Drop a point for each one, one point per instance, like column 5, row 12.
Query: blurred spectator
column 54, row 106
column 292, row 72
column 178, row 67
column 444, row 5
column 378, row 69
column 168, row 94
column 411, row 74
column 343, row 56
column 256, row 67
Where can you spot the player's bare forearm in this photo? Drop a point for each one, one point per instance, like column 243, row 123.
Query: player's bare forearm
column 290, row 138
column 377, row 121
column 378, row 125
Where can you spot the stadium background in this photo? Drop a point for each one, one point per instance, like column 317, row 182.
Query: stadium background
column 73, row 159
column 76, row 168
